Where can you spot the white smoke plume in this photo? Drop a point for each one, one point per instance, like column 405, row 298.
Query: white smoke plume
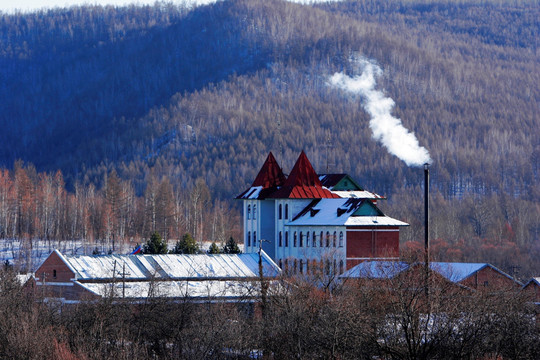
column 386, row 128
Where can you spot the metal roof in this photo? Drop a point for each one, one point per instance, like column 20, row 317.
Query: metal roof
column 452, row 271
column 179, row 289
column 170, row 267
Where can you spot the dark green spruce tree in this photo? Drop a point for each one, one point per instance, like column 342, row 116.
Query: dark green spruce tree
column 155, row 245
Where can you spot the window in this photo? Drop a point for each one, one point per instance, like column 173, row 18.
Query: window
column 294, row 266
column 327, row 267
column 54, row 274
column 280, row 264
column 334, row 238
column 307, row 239
column 335, row 262
column 249, row 212
column 254, row 238
column 341, row 266
column 301, row 266
column 321, row 239
column 286, row 264
column 286, row 211
column 294, row 239
column 286, row 238
column 254, row 212
column 249, row 238
column 280, row 243
column 341, row 239
column 279, row 211
column 314, row 240
column 486, row 283
column 307, row 266
column 327, row 239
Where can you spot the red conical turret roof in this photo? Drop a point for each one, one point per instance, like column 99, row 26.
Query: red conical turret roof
column 270, row 174
column 269, row 178
column 303, row 183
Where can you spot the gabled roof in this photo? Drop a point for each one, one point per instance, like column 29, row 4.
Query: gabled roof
column 269, row 178
column 376, row 270
column 535, row 281
column 303, row 183
column 344, row 186
column 454, row 272
column 169, row 267
column 343, row 212
column 457, row 272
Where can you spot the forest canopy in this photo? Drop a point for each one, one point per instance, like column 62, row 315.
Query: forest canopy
column 166, row 92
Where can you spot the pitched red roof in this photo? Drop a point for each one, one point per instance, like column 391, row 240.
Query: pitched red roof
column 270, row 174
column 303, row 183
column 269, row 178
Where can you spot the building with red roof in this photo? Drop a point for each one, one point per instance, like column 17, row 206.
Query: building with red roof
column 305, row 218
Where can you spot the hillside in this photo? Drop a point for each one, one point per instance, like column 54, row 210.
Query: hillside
column 207, row 93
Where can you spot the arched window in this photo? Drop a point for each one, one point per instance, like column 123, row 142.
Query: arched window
column 54, row 273
column 341, row 239
column 321, row 239
column 301, row 239
column 286, row 211
column 301, row 266
column 280, row 243
column 286, row 265
column 249, row 238
column 334, row 239
column 254, row 238
column 314, row 240
column 249, row 212
column 327, row 239
column 286, row 238
column 294, row 267
column 279, row 212
column 254, row 211
column 335, row 262
column 280, row 264
column 307, row 239
column 294, row 239
column 341, row 266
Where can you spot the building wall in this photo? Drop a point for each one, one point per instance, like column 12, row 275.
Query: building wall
column 488, row 278
column 267, row 219
column 368, row 243
column 54, row 269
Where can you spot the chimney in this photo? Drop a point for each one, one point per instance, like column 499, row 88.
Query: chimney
column 426, row 212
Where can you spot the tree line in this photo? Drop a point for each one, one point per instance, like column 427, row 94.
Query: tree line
column 37, row 206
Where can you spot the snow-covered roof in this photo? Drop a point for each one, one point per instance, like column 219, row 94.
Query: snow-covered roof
column 452, row 271
column 179, row 289
column 343, row 212
column 170, row 267
column 357, row 194
column 376, row 270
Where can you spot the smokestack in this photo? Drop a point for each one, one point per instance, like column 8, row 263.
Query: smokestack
column 426, row 213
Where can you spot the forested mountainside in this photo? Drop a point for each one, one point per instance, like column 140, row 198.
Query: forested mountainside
column 163, row 91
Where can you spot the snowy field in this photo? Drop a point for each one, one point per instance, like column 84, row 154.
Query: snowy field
column 26, row 255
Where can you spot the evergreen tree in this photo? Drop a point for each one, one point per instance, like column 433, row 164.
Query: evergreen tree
column 155, row 245
column 214, row 249
column 187, row 245
column 231, row 247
